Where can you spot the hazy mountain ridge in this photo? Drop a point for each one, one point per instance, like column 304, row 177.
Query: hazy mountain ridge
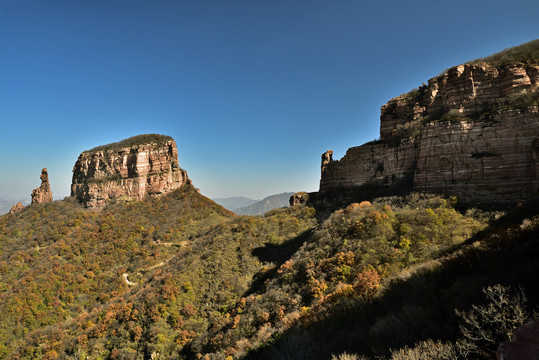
column 234, row 202
column 268, row 203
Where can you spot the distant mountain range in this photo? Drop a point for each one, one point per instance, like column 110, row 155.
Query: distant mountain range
column 236, row 202
column 263, row 206
column 246, row 206
column 7, row 202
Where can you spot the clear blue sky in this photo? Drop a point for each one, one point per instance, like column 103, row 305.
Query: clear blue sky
column 252, row 91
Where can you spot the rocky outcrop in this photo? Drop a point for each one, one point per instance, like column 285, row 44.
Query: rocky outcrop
column 376, row 163
column 132, row 169
column 494, row 161
column 463, row 90
column 16, row 208
column 43, row 193
column 299, row 198
column 472, row 132
column 524, row 344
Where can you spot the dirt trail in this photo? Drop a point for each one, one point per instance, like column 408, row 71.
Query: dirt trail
column 125, row 275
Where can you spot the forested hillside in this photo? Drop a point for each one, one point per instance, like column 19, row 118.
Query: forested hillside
column 181, row 277
column 133, row 280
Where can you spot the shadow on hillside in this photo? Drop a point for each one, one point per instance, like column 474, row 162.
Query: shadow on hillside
column 326, row 202
column 421, row 304
column 276, row 254
column 515, row 215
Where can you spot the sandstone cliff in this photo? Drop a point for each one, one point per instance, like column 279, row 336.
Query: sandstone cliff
column 472, row 132
column 43, row 193
column 144, row 165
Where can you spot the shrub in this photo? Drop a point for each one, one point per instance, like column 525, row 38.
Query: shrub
column 346, row 356
column 484, row 327
column 134, row 140
column 426, row 350
column 527, row 53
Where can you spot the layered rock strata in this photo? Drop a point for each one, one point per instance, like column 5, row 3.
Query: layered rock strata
column 472, row 132
column 43, row 193
column 485, row 162
column 461, row 91
column 132, row 169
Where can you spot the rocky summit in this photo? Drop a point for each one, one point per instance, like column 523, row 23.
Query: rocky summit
column 471, row 132
column 131, row 169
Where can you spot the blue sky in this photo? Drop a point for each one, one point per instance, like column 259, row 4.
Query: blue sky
column 253, row 91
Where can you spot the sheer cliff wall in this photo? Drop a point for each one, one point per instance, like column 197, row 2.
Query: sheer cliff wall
column 146, row 165
column 472, row 132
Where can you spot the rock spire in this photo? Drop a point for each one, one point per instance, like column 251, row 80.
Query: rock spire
column 43, row 193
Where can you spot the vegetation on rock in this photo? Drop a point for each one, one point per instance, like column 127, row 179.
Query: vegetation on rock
column 527, row 53
column 134, row 140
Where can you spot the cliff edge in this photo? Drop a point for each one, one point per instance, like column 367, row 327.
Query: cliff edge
column 471, row 132
column 131, row 169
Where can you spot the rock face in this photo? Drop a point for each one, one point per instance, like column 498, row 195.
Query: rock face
column 461, row 91
column 524, row 344
column 43, row 193
column 472, row 132
column 16, row 208
column 144, row 165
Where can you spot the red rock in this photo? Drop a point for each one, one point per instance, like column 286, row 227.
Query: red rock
column 145, row 166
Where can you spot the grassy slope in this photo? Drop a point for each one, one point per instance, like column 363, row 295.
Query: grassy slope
column 63, row 290
column 134, row 140
column 419, row 302
column 370, row 277
column 527, row 53
column 58, row 261
column 352, row 255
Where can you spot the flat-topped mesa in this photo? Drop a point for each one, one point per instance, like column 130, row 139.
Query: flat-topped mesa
column 43, row 193
column 472, row 131
column 140, row 166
